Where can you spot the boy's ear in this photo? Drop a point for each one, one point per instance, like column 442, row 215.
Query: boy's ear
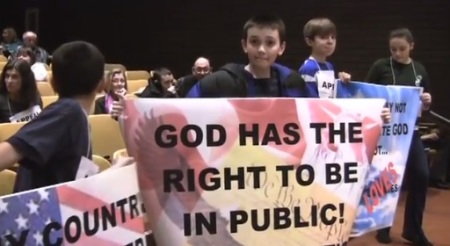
column 309, row 41
column 282, row 48
column 244, row 45
column 412, row 46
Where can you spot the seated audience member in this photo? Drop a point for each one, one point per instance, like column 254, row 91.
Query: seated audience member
column 19, row 97
column 116, row 88
column 160, row 85
column 439, row 172
column 50, row 148
column 10, row 42
column 38, row 68
column 30, row 41
column 200, row 69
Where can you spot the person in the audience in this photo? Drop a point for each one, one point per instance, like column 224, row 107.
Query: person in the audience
column 160, row 85
column 10, row 42
column 116, row 88
column 439, row 173
column 38, row 68
column 51, row 147
column 19, row 97
column 201, row 69
column 166, row 74
column 320, row 35
column 400, row 69
column 30, row 40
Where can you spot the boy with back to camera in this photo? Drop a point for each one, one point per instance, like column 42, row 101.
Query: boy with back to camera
column 320, row 35
column 54, row 147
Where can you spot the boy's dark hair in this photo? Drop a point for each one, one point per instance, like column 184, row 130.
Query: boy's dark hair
column 265, row 21
column 402, row 33
column 319, row 27
column 27, row 51
column 163, row 71
column 28, row 92
column 77, row 69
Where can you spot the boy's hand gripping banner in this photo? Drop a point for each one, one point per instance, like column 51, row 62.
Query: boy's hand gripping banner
column 252, row 171
column 382, row 188
column 97, row 210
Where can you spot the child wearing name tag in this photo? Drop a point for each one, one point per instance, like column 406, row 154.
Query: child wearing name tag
column 55, row 147
column 401, row 70
column 320, row 35
column 19, row 96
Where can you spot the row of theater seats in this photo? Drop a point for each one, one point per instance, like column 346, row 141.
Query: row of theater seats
column 108, row 66
column 106, row 134
column 45, row 89
column 131, row 74
column 107, row 144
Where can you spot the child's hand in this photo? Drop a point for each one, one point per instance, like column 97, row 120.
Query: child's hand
column 426, row 99
column 121, row 92
column 172, row 89
column 386, row 115
column 344, row 77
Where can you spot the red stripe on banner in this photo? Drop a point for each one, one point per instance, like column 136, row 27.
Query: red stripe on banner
column 81, row 201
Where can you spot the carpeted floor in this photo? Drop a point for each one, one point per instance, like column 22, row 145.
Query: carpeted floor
column 436, row 222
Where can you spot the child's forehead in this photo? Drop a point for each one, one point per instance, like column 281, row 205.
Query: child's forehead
column 263, row 31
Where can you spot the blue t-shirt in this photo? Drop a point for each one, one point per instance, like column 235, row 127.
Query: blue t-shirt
column 309, row 70
column 52, row 145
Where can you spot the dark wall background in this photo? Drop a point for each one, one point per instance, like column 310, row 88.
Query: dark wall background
column 146, row 34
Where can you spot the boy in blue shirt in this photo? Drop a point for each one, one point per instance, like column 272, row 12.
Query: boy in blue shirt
column 263, row 40
column 51, row 148
column 320, row 35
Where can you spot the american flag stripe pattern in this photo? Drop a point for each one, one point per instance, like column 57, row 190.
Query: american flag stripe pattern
column 73, row 214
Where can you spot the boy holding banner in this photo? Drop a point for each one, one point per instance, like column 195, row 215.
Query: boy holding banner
column 320, row 35
column 263, row 40
column 400, row 69
column 55, row 147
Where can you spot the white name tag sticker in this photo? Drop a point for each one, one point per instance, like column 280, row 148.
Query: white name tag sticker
column 26, row 115
column 86, row 168
column 326, row 84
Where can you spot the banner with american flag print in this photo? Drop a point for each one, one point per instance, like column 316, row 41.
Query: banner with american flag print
column 196, row 163
column 104, row 209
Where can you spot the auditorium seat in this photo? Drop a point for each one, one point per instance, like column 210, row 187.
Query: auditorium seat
column 106, row 135
column 137, row 75
column 2, row 65
column 136, row 85
column 9, row 129
column 45, row 89
column 47, row 100
column 7, row 179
